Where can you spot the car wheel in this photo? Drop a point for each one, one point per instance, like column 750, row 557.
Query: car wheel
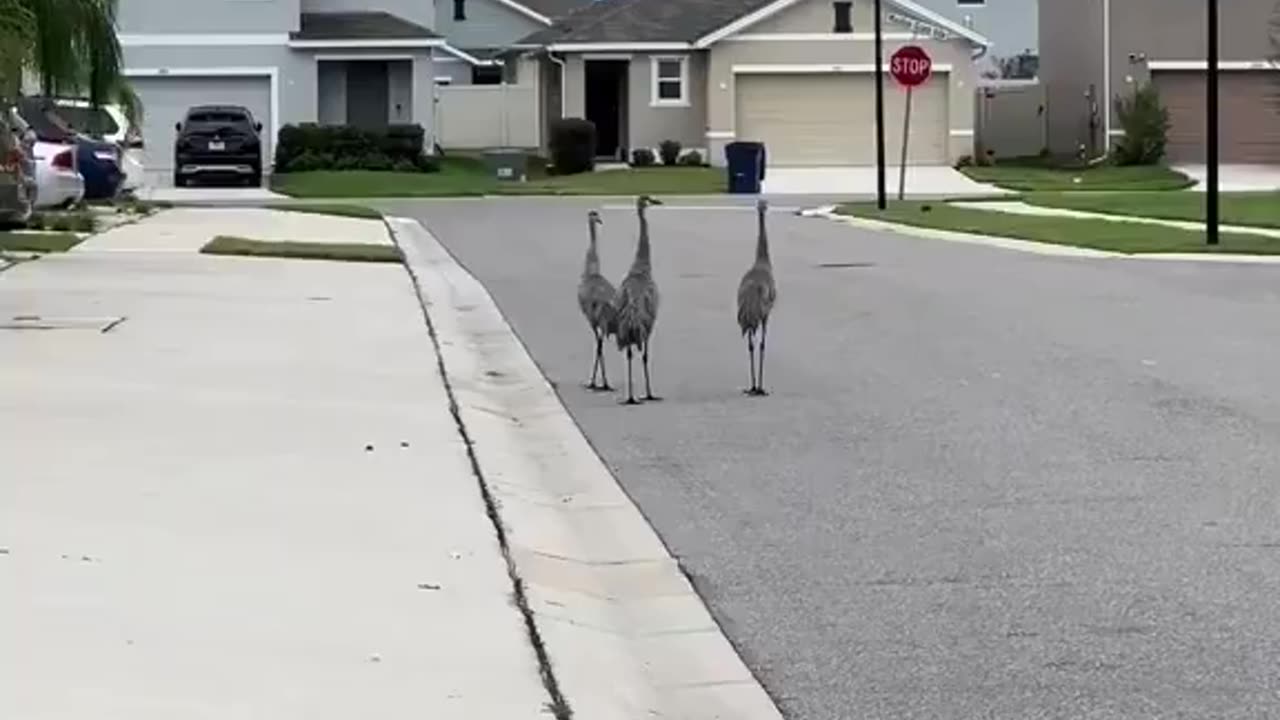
column 255, row 180
column 179, row 180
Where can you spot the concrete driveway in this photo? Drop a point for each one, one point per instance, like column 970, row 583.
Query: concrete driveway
column 158, row 186
column 922, row 182
column 1236, row 178
column 988, row 484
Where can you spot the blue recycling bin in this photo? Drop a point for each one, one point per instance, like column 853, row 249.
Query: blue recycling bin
column 746, row 162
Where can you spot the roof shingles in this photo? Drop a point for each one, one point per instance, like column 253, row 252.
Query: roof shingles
column 359, row 26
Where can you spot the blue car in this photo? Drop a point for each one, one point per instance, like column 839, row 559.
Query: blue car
column 98, row 161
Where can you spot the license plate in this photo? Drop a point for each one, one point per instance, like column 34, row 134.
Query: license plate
column 217, row 145
column 104, row 155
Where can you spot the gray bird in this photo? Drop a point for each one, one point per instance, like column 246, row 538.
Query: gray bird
column 637, row 304
column 595, row 297
column 756, row 295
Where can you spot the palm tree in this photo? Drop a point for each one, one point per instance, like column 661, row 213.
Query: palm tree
column 70, row 46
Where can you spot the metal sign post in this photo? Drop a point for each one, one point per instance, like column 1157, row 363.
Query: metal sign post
column 1211, row 129
column 881, row 202
column 911, row 66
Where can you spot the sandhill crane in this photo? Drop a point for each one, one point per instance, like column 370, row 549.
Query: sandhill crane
column 637, row 304
column 756, row 295
column 595, row 297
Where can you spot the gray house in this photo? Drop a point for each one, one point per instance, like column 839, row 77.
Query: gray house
column 1093, row 51
column 797, row 75
column 360, row 62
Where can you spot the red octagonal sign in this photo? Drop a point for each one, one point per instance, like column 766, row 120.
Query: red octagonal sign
column 911, row 66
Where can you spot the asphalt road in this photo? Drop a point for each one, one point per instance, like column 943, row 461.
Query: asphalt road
column 987, row 484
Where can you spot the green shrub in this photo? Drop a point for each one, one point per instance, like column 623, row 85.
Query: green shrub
column 669, row 150
column 37, row 221
column 403, row 165
column 309, row 146
column 642, row 157
column 573, row 145
column 1145, row 121
column 693, row 158
column 84, row 222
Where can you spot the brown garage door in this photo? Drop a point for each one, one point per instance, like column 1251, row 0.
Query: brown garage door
column 1249, row 121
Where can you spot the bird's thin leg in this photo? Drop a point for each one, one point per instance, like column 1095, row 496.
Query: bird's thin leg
column 595, row 364
column 764, row 333
column 631, row 396
column 751, row 356
column 604, row 374
column 644, row 357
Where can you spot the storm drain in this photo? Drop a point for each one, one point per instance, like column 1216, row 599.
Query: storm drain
column 102, row 324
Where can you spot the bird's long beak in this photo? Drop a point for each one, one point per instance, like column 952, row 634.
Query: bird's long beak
column 655, row 201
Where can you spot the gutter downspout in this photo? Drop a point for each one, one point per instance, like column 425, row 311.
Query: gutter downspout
column 564, row 95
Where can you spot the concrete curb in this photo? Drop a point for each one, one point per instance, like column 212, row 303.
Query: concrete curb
column 626, row 634
column 1031, row 246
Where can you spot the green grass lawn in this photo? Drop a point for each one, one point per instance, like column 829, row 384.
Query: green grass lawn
column 1033, row 177
column 1243, row 208
column 350, row 211
column 44, row 242
column 1123, row 237
column 465, row 176
column 347, row 252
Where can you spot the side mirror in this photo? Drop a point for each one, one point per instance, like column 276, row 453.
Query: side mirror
column 257, row 126
column 177, row 126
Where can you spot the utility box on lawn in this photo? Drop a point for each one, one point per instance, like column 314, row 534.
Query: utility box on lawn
column 506, row 164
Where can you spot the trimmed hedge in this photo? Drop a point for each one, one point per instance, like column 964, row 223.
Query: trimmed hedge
column 573, row 146
column 310, row 146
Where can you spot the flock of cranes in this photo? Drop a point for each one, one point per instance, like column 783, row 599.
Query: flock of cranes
column 628, row 313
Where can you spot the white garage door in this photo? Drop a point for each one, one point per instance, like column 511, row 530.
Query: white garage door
column 165, row 101
column 829, row 118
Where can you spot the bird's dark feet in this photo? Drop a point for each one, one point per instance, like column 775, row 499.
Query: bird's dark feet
column 652, row 398
column 631, row 401
column 757, row 392
column 603, row 387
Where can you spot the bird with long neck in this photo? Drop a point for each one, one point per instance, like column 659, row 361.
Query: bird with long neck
column 595, row 299
column 637, row 304
column 756, row 295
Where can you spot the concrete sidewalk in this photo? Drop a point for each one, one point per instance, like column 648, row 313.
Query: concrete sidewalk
column 187, row 230
column 233, row 488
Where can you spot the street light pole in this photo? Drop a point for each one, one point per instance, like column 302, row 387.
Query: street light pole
column 881, row 202
column 1211, row 128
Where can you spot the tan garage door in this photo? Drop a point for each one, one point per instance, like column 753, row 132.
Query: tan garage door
column 829, row 118
column 1249, row 119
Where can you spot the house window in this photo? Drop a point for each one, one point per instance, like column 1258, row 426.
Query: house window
column 844, row 17
column 459, row 9
column 671, row 80
column 486, row 74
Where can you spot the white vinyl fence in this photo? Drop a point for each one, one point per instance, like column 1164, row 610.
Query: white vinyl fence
column 470, row 117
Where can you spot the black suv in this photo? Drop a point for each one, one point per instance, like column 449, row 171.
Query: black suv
column 218, row 140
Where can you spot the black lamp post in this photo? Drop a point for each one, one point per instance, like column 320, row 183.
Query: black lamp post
column 879, row 74
column 1211, row 128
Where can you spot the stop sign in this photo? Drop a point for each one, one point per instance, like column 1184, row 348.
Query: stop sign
column 911, row 66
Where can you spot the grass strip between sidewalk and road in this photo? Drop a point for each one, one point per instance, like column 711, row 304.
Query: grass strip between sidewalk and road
column 461, row 177
column 1039, row 177
column 42, row 242
column 345, row 252
column 1258, row 209
column 349, row 211
column 1096, row 234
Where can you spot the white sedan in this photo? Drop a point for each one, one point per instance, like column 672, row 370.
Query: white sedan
column 58, row 182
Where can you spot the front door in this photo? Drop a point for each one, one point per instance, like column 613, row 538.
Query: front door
column 368, row 94
column 606, row 102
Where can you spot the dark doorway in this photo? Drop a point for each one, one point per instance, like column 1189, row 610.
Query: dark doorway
column 606, row 101
column 368, row 94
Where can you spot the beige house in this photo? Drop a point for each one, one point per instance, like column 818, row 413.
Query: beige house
column 1093, row 51
column 797, row 75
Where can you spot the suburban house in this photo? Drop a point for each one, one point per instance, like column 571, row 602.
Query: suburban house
column 797, row 75
column 1093, row 51
column 338, row 62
